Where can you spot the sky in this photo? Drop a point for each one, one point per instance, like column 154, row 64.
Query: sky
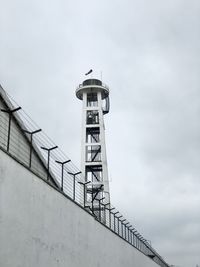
column 148, row 54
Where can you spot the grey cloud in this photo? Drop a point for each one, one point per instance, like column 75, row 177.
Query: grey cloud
column 149, row 54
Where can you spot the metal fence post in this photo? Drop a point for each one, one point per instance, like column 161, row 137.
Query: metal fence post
column 134, row 238
column 131, row 234
column 110, row 217
column 122, row 227
column 84, row 191
column 114, row 216
column 107, row 204
column 118, row 218
column 74, row 183
column 48, row 158
column 31, row 143
column 129, row 229
column 10, row 113
column 126, row 229
column 62, row 170
column 100, row 207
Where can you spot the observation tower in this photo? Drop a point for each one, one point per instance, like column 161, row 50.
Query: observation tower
column 95, row 97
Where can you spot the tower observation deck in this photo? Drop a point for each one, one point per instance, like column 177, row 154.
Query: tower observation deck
column 95, row 97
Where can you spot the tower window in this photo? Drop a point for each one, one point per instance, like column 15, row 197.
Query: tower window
column 93, row 153
column 92, row 117
column 92, row 100
column 94, row 173
column 92, row 135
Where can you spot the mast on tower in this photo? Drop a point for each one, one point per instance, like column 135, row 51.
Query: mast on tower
column 95, row 97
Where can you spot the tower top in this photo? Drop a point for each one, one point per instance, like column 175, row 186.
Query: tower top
column 92, row 86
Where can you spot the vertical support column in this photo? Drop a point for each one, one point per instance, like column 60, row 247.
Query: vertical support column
column 83, row 141
column 103, row 149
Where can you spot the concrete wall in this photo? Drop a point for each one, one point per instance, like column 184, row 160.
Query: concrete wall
column 40, row 227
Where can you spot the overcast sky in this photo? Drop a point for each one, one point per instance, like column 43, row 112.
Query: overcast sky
column 149, row 53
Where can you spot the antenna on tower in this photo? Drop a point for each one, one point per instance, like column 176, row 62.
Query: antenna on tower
column 90, row 71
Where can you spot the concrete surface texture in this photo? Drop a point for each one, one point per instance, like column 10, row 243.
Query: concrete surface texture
column 41, row 227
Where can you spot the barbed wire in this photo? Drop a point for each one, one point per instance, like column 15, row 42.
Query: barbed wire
column 41, row 155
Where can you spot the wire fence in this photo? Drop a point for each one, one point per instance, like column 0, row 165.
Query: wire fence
column 23, row 139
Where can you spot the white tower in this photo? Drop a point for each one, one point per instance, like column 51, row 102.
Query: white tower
column 95, row 97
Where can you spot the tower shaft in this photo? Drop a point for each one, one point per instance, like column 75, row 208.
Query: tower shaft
column 93, row 156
